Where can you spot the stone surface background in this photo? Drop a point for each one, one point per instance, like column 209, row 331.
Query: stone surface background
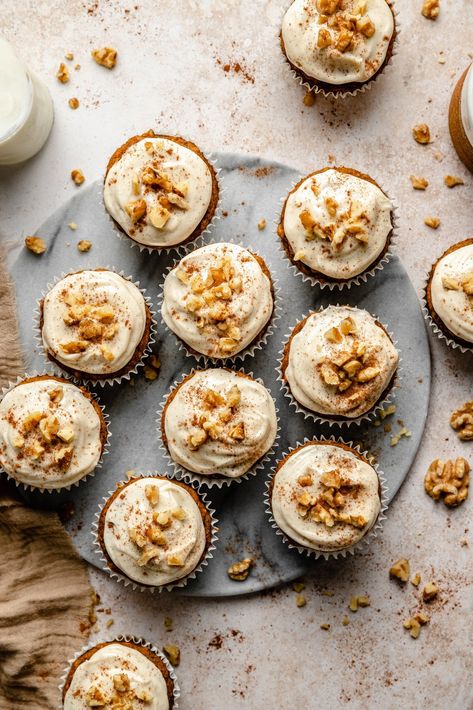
column 263, row 650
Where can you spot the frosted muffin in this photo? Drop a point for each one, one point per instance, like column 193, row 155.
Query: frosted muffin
column 339, row 363
column 95, row 324
column 324, row 496
column 161, row 191
column 119, row 674
column 52, row 433
column 338, row 46
column 218, row 423
column 218, row 300
column 336, row 224
column 449, row 293
column 154, row 531
column 460, row 117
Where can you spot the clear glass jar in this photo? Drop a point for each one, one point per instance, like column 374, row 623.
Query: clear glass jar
column 460, row 117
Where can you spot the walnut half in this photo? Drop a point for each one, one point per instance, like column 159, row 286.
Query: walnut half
column 462, row 421
column 449, row 479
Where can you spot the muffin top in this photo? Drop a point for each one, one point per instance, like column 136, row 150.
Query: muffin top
column 219, row 422
column 325, row 497
column 50, row 433
column 158, row 191
column 340, row 362
column 451, row 291
column 337, row 223
column 153, row 531
column 218, row 299
column 116, row 675
column 338, row 41
column 93, row 321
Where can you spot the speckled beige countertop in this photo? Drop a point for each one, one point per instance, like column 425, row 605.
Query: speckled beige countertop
column 263, row 651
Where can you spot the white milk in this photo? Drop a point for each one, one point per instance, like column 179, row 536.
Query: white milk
column 26, row 109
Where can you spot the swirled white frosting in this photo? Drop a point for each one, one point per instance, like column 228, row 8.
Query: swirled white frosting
column 224, row 456
column 362, row 499
column 453, row 305
column 185, row 539
column 112, row 661
column 178, row 163
column 248, row 309
column 310, row 348
column 362, row 59
column 74, row 412
column 353, row 196
column 94, row 288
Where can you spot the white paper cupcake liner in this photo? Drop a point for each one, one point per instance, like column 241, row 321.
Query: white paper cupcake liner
column 249, row 351
column 318, row 418
column 355, row 280
column 105, row 449
column 436, row 329
column 179, row 583
column 181, row 248
column 85, row 379
column 370, row 535
column 214, row 481
column 341, row 93
column 152, row 648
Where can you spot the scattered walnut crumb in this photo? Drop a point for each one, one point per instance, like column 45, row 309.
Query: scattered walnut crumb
column 150, row 373
column 421, row 133
column 35, row 244
column 77, row 67
column 462, row 421
column 431, row 9
column 358, row 602
column 77, row 176
column 453, row 180
column 262, row 224
column 239, row 571
column 62, row 74
column 109, row 623
column 325, row 627
column 345, row 621
column 301, row 600
column 106, row 57
column 309, row 98
column 403, row 431
column 419, row 183
column 73, row 102
column 72, row 225
column 415, row 622
column 441, row 57
column 415, row 580
column 432, row 222
column 430, row 592
column 449, row 479
column 298, row 586
column 151, row 369
column 400, row 570
column 84, row 245
column 387, row 412
column 69, row 56
column 173, row 653
column 168, row 624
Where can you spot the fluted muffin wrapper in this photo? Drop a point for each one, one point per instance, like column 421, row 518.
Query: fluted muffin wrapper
column 357, row 280
column 182, row 248
column 341, row 93
column 367, row 538
column 214, row 480
column 368, row 416
column 259, row 342
column 138, row 641
column 454, row 344
column 86, row 379
column 179, row 583
column 105, row 449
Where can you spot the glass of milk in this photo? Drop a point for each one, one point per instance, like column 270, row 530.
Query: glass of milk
column 26, row 109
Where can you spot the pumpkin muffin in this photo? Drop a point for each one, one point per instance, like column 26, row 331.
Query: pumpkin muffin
column 161, row 191
column 460, row 117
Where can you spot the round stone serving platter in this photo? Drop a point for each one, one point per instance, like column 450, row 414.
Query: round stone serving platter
column 253, row 191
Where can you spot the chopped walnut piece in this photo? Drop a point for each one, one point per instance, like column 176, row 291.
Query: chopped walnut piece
column 421, row 133
column 400, row 570
column 419, row 183
column 197, row 439
column 333, row 335
column 430, row 592
column 136, row 209
column 173, row 653
column 414, row 624
column 309, row 98
column 262, row 225
column 324, row 39
column 449, row 479
column 415, row 580
column 77, row 177
column 432, row 222
column 150, row 373
column 74, row 346
column 143, row 694
column 152, row 494
column 62, row 74
column 329, row 374
column 63, row 456
column 367, row 374
column 107, row 354
column 69, row 56
column 159, row 216
column 238, row 432
column 301, row 600
column 307, row 221
column 66, row 434
column 84, row 245
column 462, row 421
column 431, row 9
column 37, row 245
column 106, row 57
column 179, row 514
column 73, row 103
column 73, row 226
column 328, row 7
column 148, row 554
column 95, row 698
column 177, row 200
column 121, row 682
column 347, row 326
column 359, row 602
column 175, row 561
column 366, row 26
column 298, row 586
column 49, row 427
column 453, row 180
column 305, row 480
column 239, row 571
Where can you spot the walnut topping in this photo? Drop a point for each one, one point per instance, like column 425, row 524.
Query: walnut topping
column 18, row 441
column 152, row 494
column 35, row 244
column 121, row 682
column 419, row 183
column 175, row 561
column 430, row 592
column 453, row 180
column 421, row 133
column 400, row 570
column 462, row 421
column 122, row 695
column 351, row 223
column 106, row 57
column 414, row 624
column 136, row 209
column 62, row 74
column 239, row 571
column 449, row 479
column 324, row 38
column 432, row 222
column 73, row 103
column 366, row 26
column 84, row 245
column 327, row 508
column 431, row 9
column 173, row 653
column 93, row 324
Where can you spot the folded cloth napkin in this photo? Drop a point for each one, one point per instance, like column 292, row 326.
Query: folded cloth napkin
column 45, row 595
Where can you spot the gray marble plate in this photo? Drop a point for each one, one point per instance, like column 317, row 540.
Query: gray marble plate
column 253, row 189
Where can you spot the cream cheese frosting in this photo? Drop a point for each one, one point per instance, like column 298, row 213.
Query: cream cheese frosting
column 219, row 423
column 154, row 532
column 50, row 434
column 325, row 497
column 158, row 191
column 451, row 291
column 338, row 42
column 117, row 673
column 337, row 224
column 217, row 299
column 93, row 321
column 340, row 362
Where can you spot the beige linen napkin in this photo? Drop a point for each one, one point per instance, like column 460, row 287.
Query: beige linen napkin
column 45, row 595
